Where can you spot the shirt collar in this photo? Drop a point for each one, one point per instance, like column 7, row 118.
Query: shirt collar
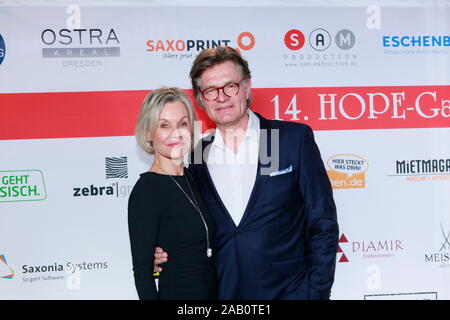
column 252, row 131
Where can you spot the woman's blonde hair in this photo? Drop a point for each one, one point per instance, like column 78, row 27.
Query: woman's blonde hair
column 152, row 106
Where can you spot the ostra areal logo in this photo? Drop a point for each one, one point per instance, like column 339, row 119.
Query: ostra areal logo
column 80, row 43
column 22, row 185
column 347, row 171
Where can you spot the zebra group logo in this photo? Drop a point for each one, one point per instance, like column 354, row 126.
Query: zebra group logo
column 116, row 167
column 6, row 271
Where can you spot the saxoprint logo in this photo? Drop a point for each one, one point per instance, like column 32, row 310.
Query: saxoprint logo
column 347, row 171
column 2, row 49
column 329, row 49
column 5, row 270
column 22, row 185
column 183, row 49
column 368, row 249
column 115, row 168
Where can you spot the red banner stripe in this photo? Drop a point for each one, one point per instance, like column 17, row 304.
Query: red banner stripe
column 114, row 113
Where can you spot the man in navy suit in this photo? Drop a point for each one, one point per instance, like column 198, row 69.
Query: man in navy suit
column 266, row 187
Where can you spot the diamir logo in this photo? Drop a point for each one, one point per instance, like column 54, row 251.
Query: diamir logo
column 343, row 257
column 6, row 271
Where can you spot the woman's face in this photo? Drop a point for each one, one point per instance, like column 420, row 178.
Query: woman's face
column 172, row 138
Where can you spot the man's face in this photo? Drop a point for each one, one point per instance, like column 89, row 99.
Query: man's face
column 225, row 111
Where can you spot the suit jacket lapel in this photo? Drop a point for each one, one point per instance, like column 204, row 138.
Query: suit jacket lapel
column 261, row 179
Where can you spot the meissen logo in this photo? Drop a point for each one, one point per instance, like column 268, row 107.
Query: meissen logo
column 443, row 256
column 22, row 185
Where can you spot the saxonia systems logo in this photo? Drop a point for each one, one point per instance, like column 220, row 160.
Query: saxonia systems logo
column 181, row 49
column 367, row 249
column 115, row 168
column 441, row 256
column 22, row 185
column 321, row 48
column 2, row 49
column 5, row 270
column 82, row 47
column 422, row 170
column 347, row 171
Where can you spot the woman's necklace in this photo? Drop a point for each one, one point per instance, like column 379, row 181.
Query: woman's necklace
column 196, row 206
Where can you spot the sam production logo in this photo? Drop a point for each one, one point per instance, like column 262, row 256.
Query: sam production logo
column 178, row 49
column 368, row 249
column 2, row 49
column 324, row 49
column 80, row 47
column 347, row 171
column 115, row 168
column 422, row 170
column 22, row 185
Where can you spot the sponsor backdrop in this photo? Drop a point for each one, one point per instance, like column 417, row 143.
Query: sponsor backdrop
column 372, row 81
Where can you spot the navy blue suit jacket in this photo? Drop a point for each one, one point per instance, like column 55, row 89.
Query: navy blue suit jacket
column 286, row 242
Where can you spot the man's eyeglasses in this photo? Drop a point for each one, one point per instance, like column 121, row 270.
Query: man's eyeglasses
column 230, row 90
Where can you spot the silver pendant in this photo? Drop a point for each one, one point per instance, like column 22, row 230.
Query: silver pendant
column 209, row 252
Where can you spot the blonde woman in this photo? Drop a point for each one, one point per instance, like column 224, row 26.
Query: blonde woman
column 165, row 208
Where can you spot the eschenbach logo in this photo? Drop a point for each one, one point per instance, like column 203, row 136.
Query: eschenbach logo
column 416, row 44
column 115, row 168
column 2, row 49
column 84, row 47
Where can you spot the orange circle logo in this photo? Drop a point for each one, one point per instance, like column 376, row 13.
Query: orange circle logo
column 251, row 40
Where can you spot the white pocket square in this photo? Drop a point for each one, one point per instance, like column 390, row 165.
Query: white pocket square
column 284, row 171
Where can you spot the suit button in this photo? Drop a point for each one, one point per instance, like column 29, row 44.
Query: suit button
column 236, row 232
